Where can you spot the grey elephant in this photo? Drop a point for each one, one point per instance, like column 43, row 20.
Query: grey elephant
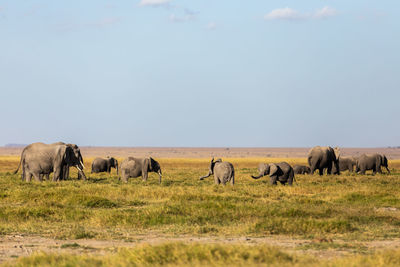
column 39, row 159
column 301, row 169
column 372, row 162
column 223, row 172
column 135, row 167
column 104, row 165
column 345, row 164
column 321, row 158
column 281, row 172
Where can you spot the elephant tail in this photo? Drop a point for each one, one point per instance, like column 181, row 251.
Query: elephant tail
column 257, row 177
column 19, row 165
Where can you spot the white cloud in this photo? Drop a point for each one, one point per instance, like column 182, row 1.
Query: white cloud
column 292, row 14
column 325, row 12
column 154, row 2
column 211, row 26
column 283, row 14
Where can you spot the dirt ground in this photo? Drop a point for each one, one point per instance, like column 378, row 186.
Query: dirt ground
column 13, row 246
column 195, row 152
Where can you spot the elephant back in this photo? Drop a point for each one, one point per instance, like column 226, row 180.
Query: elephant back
column 224, row 170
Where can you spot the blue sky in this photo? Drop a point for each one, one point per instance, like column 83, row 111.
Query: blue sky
column 200, row 73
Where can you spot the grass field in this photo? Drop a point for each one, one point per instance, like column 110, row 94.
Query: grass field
column 195, row 222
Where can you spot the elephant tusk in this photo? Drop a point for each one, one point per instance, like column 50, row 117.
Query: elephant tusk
column 83, row 165
column 78, row 168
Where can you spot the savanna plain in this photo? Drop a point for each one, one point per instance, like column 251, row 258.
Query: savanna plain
column 345, row 220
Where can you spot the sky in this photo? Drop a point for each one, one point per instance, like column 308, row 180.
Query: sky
column 200, row 73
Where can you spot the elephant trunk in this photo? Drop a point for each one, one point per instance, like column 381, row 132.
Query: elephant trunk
column 336, row 163
column 387, row 169
column 257, row 177
column 205, row 176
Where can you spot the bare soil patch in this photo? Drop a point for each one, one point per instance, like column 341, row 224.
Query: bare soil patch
column 13, row 246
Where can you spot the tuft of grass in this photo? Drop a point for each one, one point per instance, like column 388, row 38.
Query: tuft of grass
column 173, row 254
column 179, row 254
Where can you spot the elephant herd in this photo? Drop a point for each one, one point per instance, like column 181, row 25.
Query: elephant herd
column 38, row 160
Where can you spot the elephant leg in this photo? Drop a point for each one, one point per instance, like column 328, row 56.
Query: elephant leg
column 273, row 180
column 379, row 169
column 37, row 177
column 232, row 180
column 28, row 177
column 321, row 171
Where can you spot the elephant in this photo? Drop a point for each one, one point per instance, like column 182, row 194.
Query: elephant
column 104, row 165
column 39, row 159
column 135, row 167
column 223, row 172
column 372, row 162
column 281, row 172
column 345, row 164
column 320, row 158
column 301, row 169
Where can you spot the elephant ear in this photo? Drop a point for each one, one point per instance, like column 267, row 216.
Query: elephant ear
column 336, row 152
column 61, row 154
column 273, row 169
column 211, row 168
column 379, row 160
column 147, row 165
column 384, row 160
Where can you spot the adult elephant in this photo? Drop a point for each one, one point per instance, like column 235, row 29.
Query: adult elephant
column 301, row 169
column 281, row 172
column 104, row 165
column 345, row 164
column 40, row 159
column 372, row 162
column 135, row 167
column 223, row 172
column 320, row 158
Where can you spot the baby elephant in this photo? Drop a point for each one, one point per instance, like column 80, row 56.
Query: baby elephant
column 104, row 165
column 135, row 167
column 281, row 172
column 223, row 172
column 301, row 169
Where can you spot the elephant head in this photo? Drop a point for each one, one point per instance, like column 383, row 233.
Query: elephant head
column 153, row 166
column 113, row 163
column 266, row 169
column 336, row 156
column 77, row 159
column 211, row 168
column 66, row 156
column 384, row 163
